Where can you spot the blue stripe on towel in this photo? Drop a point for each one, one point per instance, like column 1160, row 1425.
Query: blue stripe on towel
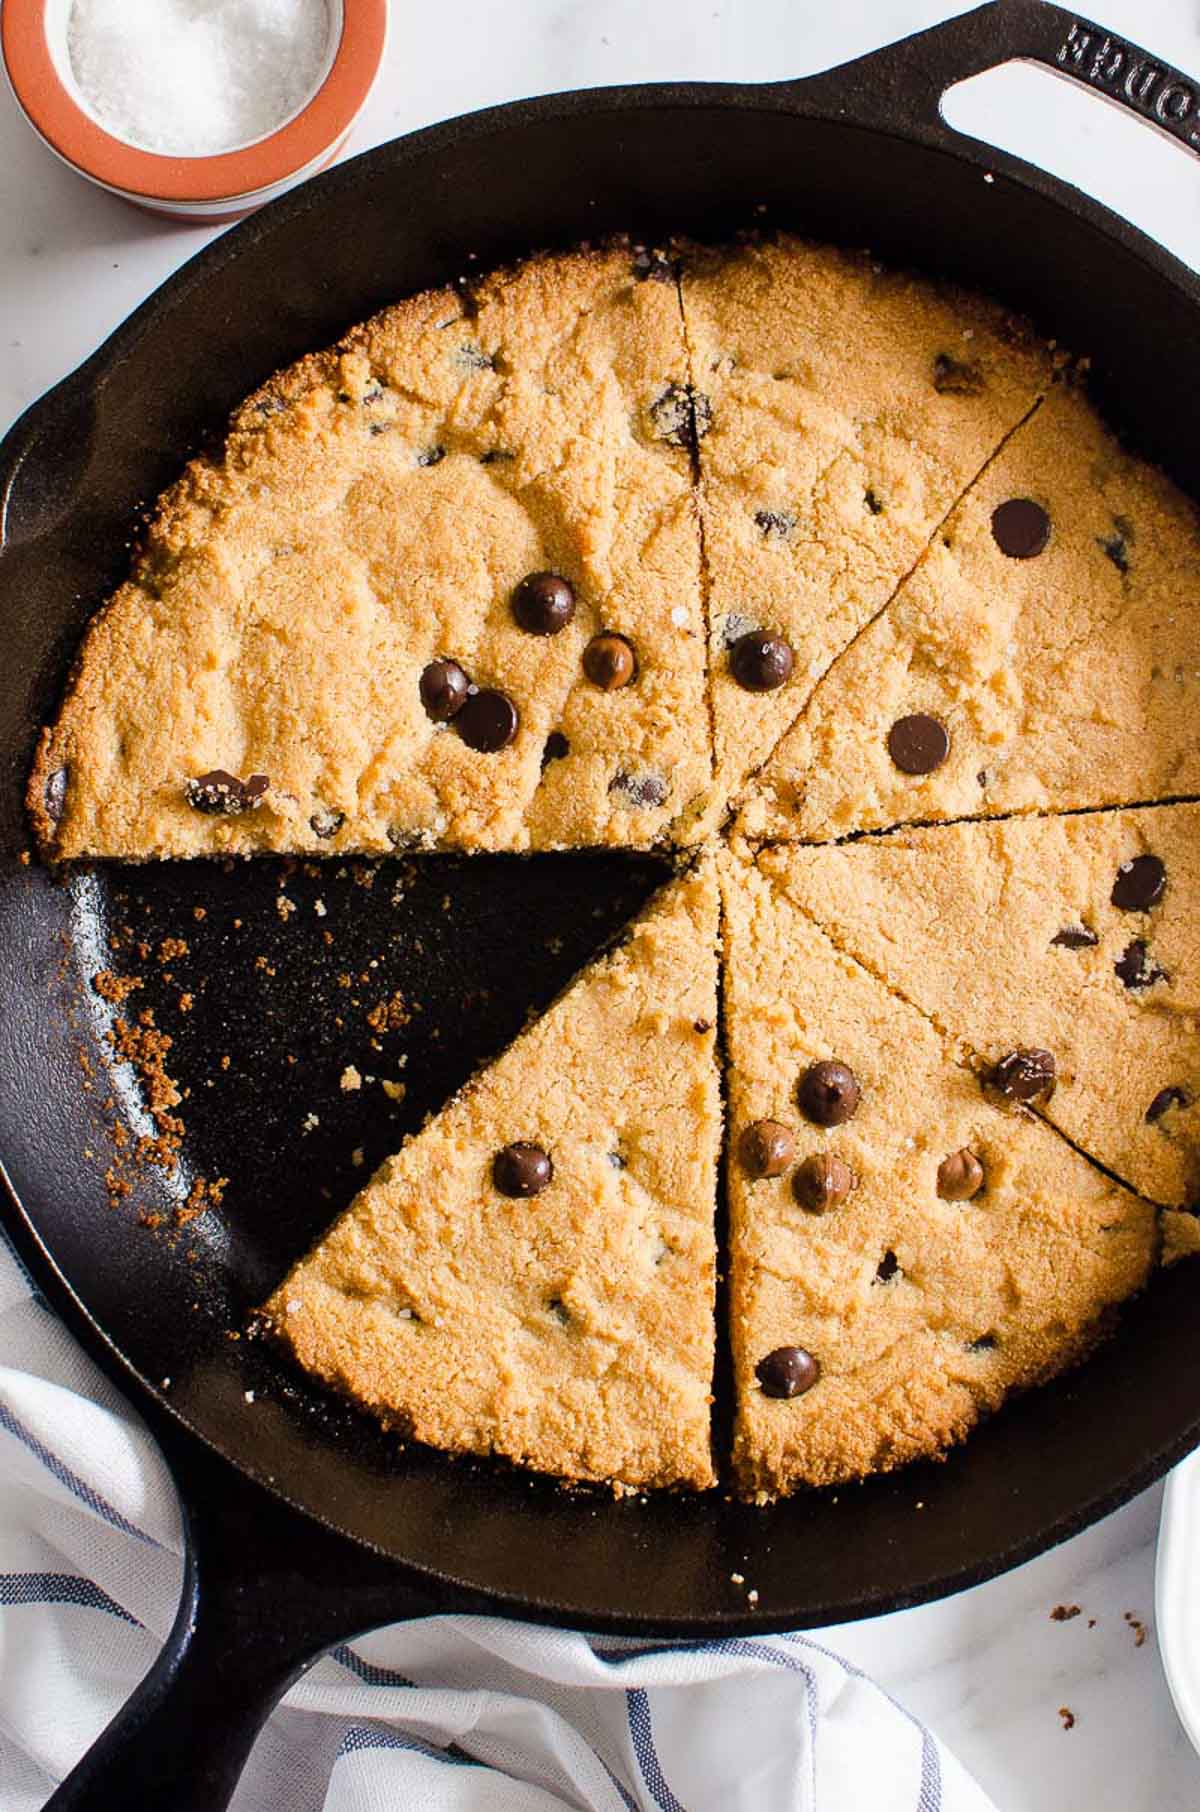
column 60, row 1588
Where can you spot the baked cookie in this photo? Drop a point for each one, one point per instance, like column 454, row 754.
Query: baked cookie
column 532, row 1274
column 903, row 1253
column 372, row 622
column 1042, row 656
column 1061, row 953
column 840, row 412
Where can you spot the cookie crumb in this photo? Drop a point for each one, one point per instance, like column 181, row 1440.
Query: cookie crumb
column 1067, row 1716
column 1063, row 1613
column 351, row 1079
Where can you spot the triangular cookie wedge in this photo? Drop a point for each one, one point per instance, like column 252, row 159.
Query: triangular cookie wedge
column 913, row 1253
column 841, row 410
column 569, row 1329
column 1072, row 936
column 1041, row 657
column 371, row 519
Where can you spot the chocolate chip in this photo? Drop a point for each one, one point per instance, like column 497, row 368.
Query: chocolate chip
column 474, row 359
column 918, row 744
column 702, row 1025
column 766, row 1148
column 223, row 795
column 821, row 1182
column 1024, row 1075
column 652, row 264
column 431, row 456
column 871, row 499
column 1166, row 1098
column 640, row 790
column 556, row 747
column 443, row 688
column 1140, row 884
column 761, row 662
column 1021, row 528
column 496, row 456
column 1117, row 549
column 888, row 1267
column 609, row 662
column 326, row 823
column 829, row 1093
column 1074, row 937
column 558, row 1308
column 776, row 525
column 1135, row 969
column 960, row 1176
column 984, row 1344
column 521, row 1169
column 55, row 795
column 787, row 1372
column 544, row 603
column 487, row 722
column 956, row 377
column 682, row 415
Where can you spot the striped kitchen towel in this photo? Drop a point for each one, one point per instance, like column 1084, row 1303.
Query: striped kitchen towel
column 451, row 1714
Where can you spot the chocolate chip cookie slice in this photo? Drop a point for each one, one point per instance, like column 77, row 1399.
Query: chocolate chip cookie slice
column 1047, row 641
column 896, row 1269
column 532, row 1274
column 378, row 599
column 1061, row 952
column 841, row 411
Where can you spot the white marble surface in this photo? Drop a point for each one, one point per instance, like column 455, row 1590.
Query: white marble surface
column 989, row 1668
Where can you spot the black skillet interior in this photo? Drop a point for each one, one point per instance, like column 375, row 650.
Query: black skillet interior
column 858, row 156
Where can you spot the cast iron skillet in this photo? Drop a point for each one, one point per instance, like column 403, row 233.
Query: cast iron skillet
column 303, row 1522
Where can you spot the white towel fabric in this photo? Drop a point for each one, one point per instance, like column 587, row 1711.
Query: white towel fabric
column 451, row 1714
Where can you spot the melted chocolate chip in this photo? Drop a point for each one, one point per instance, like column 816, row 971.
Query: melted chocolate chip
column 871, row 499
column 776, row 525
column 956, row 377
column 1136, row 969
column 787, row 1372
column 496, row 456
column 521, row 1169
column 960, row 1176
column 443, row 688
column 760, row 662
column 1117, row 549
column 1140, row 884
column 223, row 795
column 487, row 722
column 766, row 1148
column 650, row 263
column 984, row 1344
column 326, row 823
column 1021, row 528
column 544, row 603
column 1074, row 937
column 1024, row 1075
column 889, row 1267
column 821, row 1182
column 431, row 456
column 609, row 662
column 918, row 744
column 556, row 747
column 639, row 790
column 829, row 1093
column 55, row 795
column 682, row 415
column 1165, row 1099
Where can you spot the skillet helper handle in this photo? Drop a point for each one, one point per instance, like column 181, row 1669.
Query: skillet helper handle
column 265, row 1593
column 901, row 86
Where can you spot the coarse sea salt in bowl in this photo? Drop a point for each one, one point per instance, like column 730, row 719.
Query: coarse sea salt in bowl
column 198, row 109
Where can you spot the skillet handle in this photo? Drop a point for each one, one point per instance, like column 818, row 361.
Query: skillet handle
column 265, row 1593
column 901, row 86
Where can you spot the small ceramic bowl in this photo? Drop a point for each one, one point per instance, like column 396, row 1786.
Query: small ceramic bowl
column 210, row 187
